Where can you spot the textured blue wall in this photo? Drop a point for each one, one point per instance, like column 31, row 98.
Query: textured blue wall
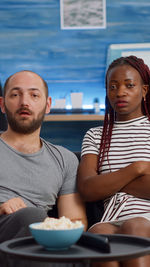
column 69, row 60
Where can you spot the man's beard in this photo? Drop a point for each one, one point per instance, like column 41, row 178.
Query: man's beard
column 20, row 127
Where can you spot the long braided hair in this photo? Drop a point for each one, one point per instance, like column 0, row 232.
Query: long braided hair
column 144, row 72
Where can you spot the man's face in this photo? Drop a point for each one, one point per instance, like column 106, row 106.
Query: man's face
column 25, row 102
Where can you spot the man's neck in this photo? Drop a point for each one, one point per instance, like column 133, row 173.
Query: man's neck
column 25, row 143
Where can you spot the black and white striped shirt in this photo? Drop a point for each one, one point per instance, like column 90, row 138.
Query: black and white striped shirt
column 130, row 142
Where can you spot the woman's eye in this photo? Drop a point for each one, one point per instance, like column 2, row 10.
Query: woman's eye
column 130, row 85
column 112, row 87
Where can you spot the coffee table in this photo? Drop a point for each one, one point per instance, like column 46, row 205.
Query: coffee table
column 122, row 247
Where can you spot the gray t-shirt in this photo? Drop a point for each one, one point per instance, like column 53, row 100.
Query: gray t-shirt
column 37, row 178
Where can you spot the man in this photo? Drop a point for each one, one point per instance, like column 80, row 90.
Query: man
column 34, row 173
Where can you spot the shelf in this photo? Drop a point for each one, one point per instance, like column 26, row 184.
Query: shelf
column 74, row 117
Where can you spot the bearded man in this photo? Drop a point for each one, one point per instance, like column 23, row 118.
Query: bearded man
column 33, row 172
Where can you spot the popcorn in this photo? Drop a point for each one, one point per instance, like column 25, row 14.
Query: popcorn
column 58, row 224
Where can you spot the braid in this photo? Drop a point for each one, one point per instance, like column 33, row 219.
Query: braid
column 106, row 134
column 144, row 72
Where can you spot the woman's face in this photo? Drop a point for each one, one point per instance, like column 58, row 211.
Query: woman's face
column 125, row 90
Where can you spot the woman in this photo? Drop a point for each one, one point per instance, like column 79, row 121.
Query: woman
column 115, row 163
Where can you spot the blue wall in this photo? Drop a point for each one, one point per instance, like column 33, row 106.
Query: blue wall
column 69, row 60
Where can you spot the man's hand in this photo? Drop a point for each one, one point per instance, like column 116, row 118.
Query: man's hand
column 12, row 205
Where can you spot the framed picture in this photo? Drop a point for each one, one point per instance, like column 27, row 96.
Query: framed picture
column 83, row 14
column 141, row 50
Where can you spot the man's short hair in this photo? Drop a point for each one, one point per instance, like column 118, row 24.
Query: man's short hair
column 7, row 81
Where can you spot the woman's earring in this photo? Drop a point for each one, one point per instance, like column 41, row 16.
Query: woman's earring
column 145, row 107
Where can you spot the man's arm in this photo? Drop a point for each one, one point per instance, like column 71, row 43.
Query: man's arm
column 72, row 207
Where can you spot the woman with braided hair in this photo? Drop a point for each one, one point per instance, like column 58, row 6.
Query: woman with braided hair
column 115, row 162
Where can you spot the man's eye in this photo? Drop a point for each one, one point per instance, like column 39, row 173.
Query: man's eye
column 35, row 95
column 14, row 94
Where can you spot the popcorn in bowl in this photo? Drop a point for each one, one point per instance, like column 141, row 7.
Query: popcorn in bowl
column 57, row 234
column 58, row 224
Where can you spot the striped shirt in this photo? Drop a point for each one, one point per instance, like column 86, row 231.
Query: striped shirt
column 130, row 142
